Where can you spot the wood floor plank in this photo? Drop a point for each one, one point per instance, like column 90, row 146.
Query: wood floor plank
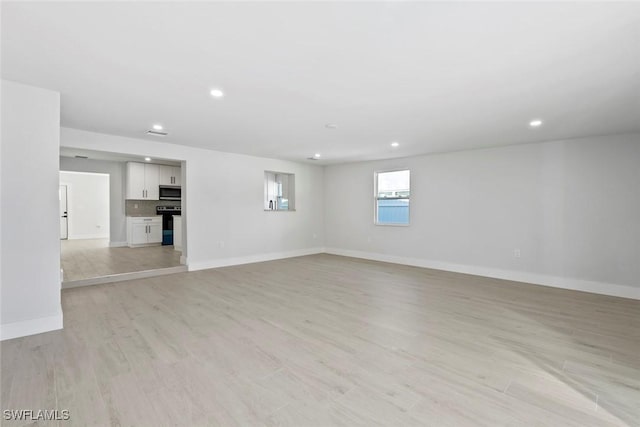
column 324, row 340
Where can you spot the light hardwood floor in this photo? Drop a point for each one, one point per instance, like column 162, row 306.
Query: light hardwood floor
column 325, row 340
column 89, row 258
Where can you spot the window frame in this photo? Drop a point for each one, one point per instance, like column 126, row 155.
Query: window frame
column 375, row 197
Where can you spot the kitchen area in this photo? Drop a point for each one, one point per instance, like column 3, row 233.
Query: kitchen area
column 153, row 205
column 146, row 227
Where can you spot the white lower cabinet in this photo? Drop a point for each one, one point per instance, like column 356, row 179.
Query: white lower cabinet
column 144, row 230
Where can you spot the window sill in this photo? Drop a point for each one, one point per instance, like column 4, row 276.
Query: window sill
column 279, row 210
column 391, row 225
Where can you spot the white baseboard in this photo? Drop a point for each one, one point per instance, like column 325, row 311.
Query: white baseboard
column 512, row 275
column 87, row 236
column 117, row 244
column 226, row 262
column 30, row 327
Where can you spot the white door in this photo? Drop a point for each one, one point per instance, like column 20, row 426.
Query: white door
column 64, row 215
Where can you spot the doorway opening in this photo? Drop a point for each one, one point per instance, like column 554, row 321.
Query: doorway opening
column 109, row 229
column 84, row 205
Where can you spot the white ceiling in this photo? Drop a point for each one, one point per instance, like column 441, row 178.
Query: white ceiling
column 433, row 76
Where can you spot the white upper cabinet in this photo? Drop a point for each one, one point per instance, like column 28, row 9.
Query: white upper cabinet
column 152, row 181
column 177, row 175
column 135, row 181
column 166, row 175
column 142, row 181
column 170, row 175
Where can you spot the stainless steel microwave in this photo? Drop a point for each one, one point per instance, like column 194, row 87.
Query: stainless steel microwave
column 170, row 192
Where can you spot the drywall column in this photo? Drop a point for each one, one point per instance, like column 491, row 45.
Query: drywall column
column 30, row 248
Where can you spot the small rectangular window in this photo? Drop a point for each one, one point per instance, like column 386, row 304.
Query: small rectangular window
column 279, row 191
column 392, row 193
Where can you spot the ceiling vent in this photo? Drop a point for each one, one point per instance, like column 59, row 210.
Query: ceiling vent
column 312, row 158
column 156, row 133
column 81, row 157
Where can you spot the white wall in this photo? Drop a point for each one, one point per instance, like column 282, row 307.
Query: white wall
column 571, row 207
column 116, row 171
column 30, row 247
column 223, row 201
column 87, row 204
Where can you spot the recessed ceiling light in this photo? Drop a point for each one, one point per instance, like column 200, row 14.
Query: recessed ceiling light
column 317, row 155
column 217, row 93
column 395, row 144
column 535, row 123
column 158, row 127
column 147, row 159
column 331, row 126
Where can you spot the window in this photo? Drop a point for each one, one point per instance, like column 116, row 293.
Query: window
column 392, row 197
column 279, row 191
